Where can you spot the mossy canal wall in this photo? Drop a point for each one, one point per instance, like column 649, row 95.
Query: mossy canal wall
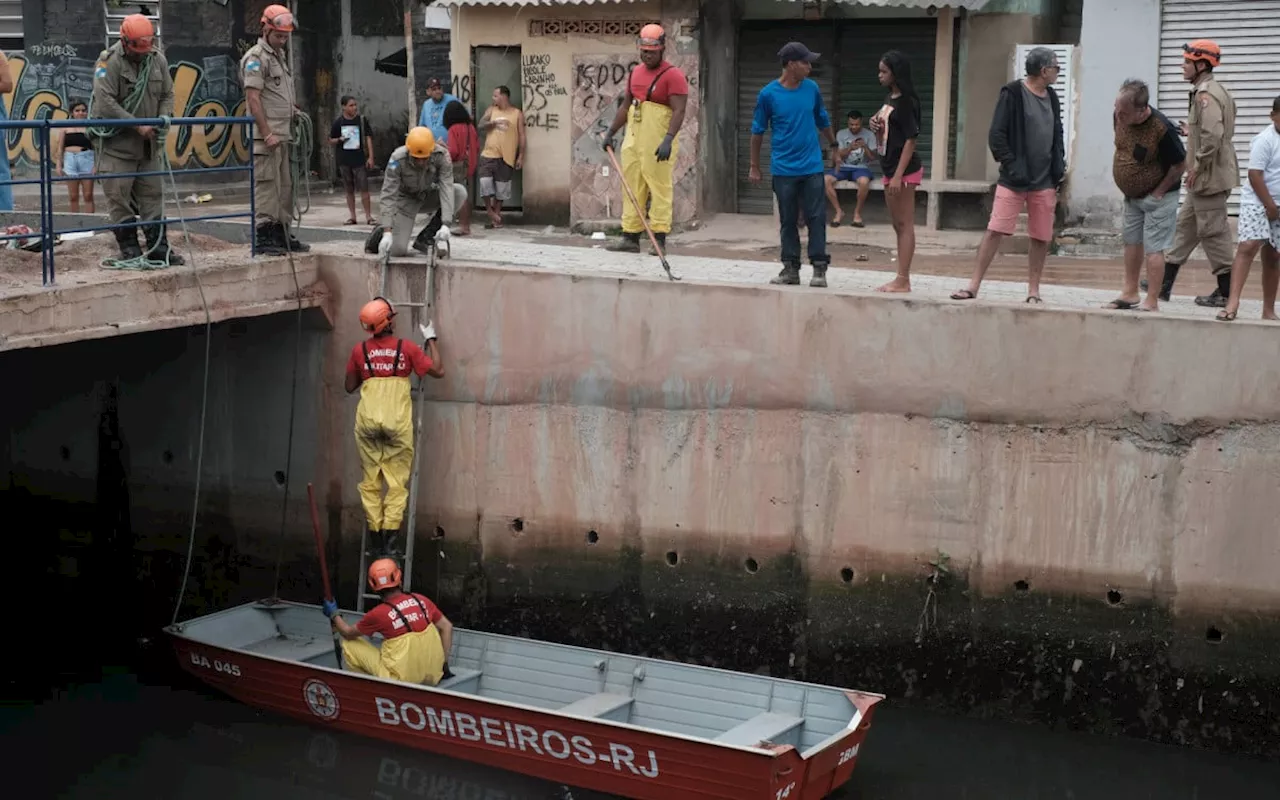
column 1050, row 515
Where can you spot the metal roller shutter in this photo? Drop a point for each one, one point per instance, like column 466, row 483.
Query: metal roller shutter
column 861, row 46
column 758, row 48
column 1249, row 34
column 11, row 24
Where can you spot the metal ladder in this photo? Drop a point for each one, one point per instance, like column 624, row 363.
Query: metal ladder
column 115, row 15
column 422, row 315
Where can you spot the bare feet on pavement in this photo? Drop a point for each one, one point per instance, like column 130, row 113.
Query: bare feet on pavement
column 897, row 285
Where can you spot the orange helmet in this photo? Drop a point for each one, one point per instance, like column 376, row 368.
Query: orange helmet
column 421, row 142
column 1205, row 50
column 652, row 37
column 137, row 34
column 277, row 18
column 384, row 574
column 376, row 315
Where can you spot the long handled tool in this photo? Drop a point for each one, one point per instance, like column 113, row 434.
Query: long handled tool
column 324, row 567
column 643, row 219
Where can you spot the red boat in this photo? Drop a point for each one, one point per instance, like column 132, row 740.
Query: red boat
column 637, row 727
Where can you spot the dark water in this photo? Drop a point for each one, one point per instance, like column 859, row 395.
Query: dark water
column 130, row 737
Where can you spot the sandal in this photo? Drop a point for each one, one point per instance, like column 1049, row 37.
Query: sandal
column 351, row 221
column 1226, row 316
column 1034, row 299
column 964, row 294
column 369, row 221
column 1122, row 305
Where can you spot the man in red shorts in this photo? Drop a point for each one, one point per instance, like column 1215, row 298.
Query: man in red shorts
column 416, row 637
column 1026, row 138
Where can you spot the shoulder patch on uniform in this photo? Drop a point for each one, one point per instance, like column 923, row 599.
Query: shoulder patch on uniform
column 100, row 71
column 393, row 164
column 1204, row 99
column 252, row 65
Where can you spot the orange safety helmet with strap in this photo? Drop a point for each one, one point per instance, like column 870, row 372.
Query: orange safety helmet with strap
column 652, row 37
column 1205, row 50
column 277, row 18
column 376, row 315
column 384, row 574
column 137, row 34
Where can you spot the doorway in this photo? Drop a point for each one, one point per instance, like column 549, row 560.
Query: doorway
column 492, row 67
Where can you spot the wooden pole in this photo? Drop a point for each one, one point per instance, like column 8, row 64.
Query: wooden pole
column 943, row 49
column 408, row 60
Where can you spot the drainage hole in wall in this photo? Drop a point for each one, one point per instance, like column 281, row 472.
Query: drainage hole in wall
column 167, row 456
column 751, row 565
column 846, row 574
column 1114, row 598
column 673, row 558
column 279, row 476
column 439, row 532
column 1213, row 635
column 1022, row 587
column 517, row 525
column 65, row 452
column 592, row 537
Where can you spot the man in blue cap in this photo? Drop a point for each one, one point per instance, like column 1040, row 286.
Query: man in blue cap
column 792, row 108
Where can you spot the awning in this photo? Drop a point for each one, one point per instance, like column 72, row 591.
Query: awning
column 971, row 5
column 395, row 64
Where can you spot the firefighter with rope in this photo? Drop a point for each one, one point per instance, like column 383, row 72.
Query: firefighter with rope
column 380, row 367
column 131, row 81
column 281, row 138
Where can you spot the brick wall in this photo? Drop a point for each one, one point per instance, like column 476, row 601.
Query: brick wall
column 75, row 22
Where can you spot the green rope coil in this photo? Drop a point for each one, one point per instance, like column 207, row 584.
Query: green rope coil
column 130, row 103
column 302, row 134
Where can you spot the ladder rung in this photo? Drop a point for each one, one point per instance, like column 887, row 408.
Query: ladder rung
column 410, row 305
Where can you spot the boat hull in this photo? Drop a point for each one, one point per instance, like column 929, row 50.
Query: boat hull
column 614, row 758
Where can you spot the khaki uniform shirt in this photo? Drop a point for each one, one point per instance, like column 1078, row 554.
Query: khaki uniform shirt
column 1211, row 124
column 114, row 77
column 267, row 70
column 404, row 180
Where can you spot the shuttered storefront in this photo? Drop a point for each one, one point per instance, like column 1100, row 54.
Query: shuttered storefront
column 846, row 73
column 1249, row 35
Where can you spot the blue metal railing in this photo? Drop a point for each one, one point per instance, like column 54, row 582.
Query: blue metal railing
column 44, row 127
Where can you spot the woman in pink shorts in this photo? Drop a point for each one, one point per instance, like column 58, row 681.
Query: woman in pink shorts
column 897, row 127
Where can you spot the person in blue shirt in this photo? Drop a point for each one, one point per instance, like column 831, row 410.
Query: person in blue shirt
column 432, row 115
column 792, row 108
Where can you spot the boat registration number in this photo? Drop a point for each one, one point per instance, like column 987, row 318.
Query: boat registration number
column 225, row 667
column 515, row 736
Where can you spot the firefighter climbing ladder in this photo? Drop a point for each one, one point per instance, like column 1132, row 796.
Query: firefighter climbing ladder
column 423, row 315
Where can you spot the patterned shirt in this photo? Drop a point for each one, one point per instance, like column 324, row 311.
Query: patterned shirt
column 1144, row 154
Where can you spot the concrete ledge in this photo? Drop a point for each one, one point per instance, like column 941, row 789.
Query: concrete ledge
column 122, row 303
column 940, row 187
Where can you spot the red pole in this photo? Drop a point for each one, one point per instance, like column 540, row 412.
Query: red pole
column 315, row 528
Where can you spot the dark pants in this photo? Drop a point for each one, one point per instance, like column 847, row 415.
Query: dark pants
column 807, row 195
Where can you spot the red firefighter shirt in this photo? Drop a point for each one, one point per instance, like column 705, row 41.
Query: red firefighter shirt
column 390, row 619
column 376, row 358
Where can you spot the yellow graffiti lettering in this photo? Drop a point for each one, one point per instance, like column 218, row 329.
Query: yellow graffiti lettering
column 40, row 105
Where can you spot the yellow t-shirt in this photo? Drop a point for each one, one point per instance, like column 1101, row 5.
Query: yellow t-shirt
column 500, row 143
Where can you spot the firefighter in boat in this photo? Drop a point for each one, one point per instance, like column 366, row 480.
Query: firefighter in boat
column 416, row 637
column 380, row 367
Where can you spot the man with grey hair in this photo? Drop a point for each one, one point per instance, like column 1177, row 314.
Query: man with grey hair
column 1026, row 139
column 1147, row 167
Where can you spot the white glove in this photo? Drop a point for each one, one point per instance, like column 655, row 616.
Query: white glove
column 442, row 235
column 384, row 245
column 442, row 241
column 428, row 331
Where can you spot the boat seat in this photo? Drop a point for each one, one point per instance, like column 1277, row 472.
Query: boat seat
column 463, row 680
column 302, row 650
column 602, row 705
column 766, row 727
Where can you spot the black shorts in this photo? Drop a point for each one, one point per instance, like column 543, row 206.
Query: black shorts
column 354, row 177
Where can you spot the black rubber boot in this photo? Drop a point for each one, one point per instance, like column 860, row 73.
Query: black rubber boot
column 789, row 276
column 819, row 279
column 266, row 242
column 629, row 243
column 390, row 547
column 158, row 245
column 291, row 242
column 375, row 239
column 1218, row 299
column 662, row 243
column 127, row 239
column 425, row 241
column 1166, row 286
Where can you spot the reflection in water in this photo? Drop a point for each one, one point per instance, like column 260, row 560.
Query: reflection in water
column 125, row 739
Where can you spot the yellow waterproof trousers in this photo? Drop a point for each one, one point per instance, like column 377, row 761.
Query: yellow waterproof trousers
column 412, row 657
column 648, row 177
column 384, row 437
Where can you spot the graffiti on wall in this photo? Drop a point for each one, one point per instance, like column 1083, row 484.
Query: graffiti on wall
column 50, row 78
column 538, row 86
column 599, row 86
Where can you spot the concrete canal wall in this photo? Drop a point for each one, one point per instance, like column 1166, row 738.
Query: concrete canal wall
column 1055, row 515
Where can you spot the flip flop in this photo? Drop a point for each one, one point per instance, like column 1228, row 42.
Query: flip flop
column 835, row 224
column 1226, row 316
column 351, row 221
column 964, row 294
column 857, row 224
column 1121, row 305
column 1033, row 299
column 369, row 221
